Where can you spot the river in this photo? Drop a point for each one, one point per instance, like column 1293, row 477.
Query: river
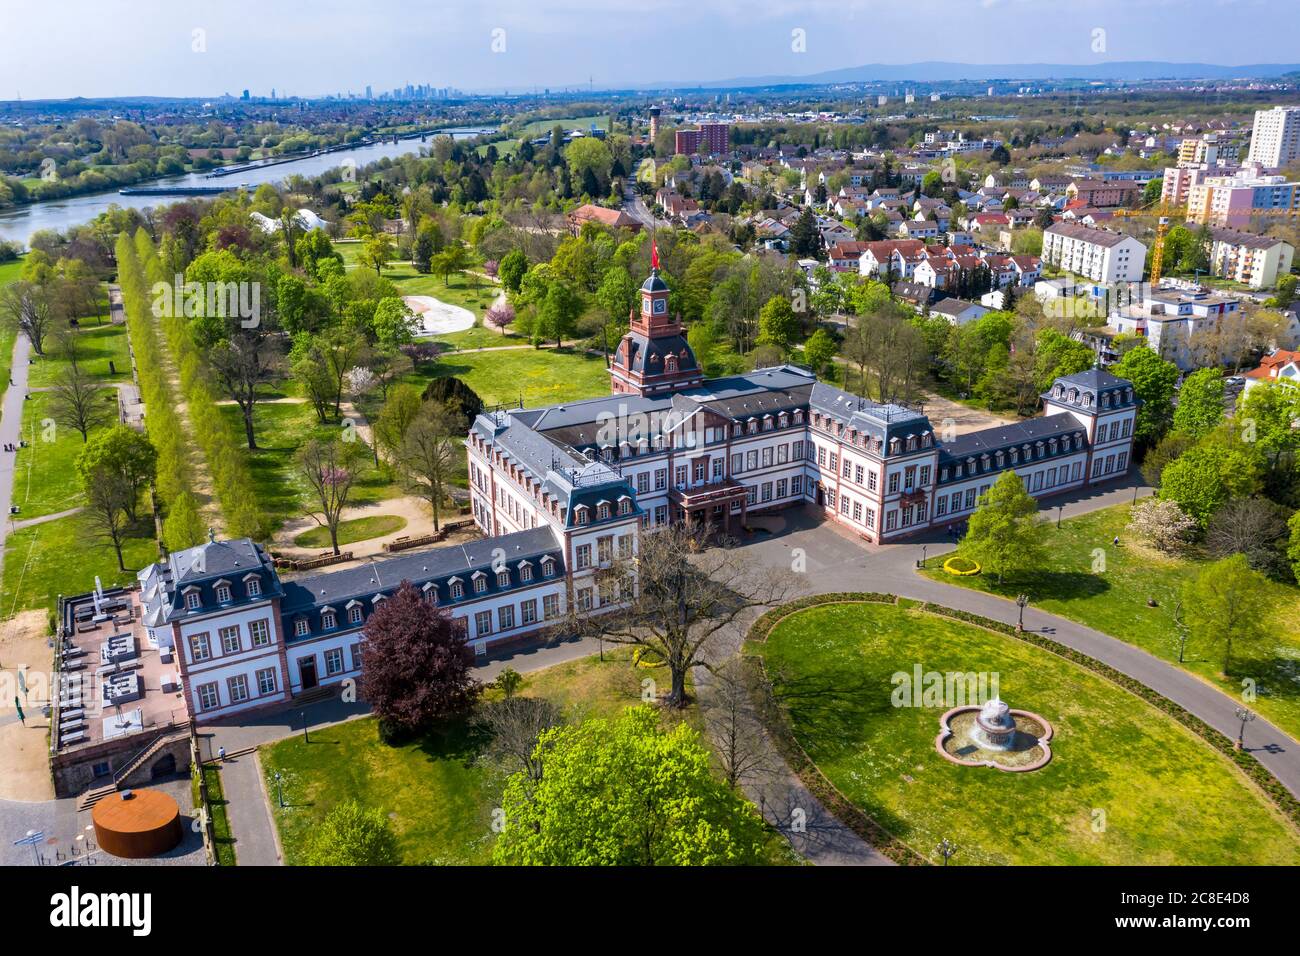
column 17, row 224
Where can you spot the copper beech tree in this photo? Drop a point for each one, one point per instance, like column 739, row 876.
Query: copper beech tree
column 415, row 665
column 674, row 597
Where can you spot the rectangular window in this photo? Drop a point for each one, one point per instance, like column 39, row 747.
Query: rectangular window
column 238, row 688
column 872, row 481
column 941, row 506
column 1076, row 470
column 1096, row 467
column 482, row 623
column 583, row 556
column 830, row 499
column 821, row 454
column 767, row 457
column 796, row 451
column 625, row 546
column 661, row 515
column 334, row 661
column 1038, row 481
column 266, row 682
column 751, row 494
column 766, row 491
column 604, row 549
column 584, row 599
column 550, row 606
column 796, row 484
column 893, row 484
column 782, row 454
column 1122, row 461
column 230, row 640
column 845, row 501
column 737, row 463
column 970, row 497
column 643, row 482
column 834, row 462
column 506, row 617
column 661, row 479
column 858, row 474
column 871, row 518
column 208, row 696
column 781, row 485
column 200, row 649
column 260, row 631
column 356, row 656
column 253, row 587
column 925, row 475
column 699, row 470
column 718, row 464
column 891, row 520
column 857, row 511
column 528, row 612
column 751, row 460
column 1128, row 426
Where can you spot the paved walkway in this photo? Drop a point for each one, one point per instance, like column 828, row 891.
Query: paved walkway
column 11, row 426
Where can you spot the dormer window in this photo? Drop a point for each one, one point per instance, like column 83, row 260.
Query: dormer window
column 548, row 566
column 580, row 515
column 300, row 628
column 457, row 590
column 480, row 583
column 602, row 511
column 503, row 579
column 431, row 592
column 328, row 619
column 192, row 601
column 525, row 573
column 223, row 593
column 253, row 587
column 798, row 416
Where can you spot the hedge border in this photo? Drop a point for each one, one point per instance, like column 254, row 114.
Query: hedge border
column 893, row 847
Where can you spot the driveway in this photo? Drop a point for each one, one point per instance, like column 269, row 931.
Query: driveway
column 838, row 561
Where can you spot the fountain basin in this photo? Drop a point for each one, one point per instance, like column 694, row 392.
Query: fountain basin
column 1016, row 741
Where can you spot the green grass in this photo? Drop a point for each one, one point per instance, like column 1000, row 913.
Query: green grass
column 436, row 791
column 62, row 557
column 281, row 429
column 45, row 472
column 1161, row 794
column 1114, row 601
column 357, row 529
column 8, row 334
column 540, row 376
column 223, row 840
column 99, row 345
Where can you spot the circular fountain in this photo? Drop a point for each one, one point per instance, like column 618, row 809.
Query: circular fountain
column 994, row 735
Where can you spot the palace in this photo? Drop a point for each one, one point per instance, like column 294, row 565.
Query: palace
column 559, row 492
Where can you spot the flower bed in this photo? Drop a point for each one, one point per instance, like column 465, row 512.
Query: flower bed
column 961, row 567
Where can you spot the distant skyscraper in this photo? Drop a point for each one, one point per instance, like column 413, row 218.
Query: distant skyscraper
column 244, row 95
column 909, row 97
column 654, row 122
column 369, row 94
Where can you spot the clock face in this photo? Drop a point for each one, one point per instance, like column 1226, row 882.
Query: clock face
column 645, row 304
column 660, row 306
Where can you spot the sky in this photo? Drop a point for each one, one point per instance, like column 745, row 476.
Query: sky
column 101, row 48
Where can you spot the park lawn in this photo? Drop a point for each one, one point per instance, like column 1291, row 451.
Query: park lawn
column 8, row 333
column 282, row 428
column 100, row 345
column 1114, row 602
column 1126, row 783
column 437, row 793
column 223, row 839
column 63, row 556
column 538, row 376
column 45, row 471
column 351, row 531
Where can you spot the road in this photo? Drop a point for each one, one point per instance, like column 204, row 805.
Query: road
column 11, row 425
column 635, row 207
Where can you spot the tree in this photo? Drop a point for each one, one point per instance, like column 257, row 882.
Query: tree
column 1254, row 527
column 1293, row 543
column 28, row 308
column 1162, row 524
column 1268, row 411
column 511, row 271
column 1153, row 382
column 119, row 456
column 376, row 251
column 330, row 470
column 394, row 324
column 806, row 241
column 674, row 598
column 456, row 395
column 625, row 792
column 1200, row 403
column 500, row 315
column 395, row 417
column 352, row 836
column 429, row 453
column 1005, row 535
column 777, row 323
column 557, row 318
column 731, row 721
column 106, row 513
column 1224, row 603
column 241, row 364
column 1206, row 476
column 425, row 247
column 452, row 259
column 1165, row 451
column 514, row 726
column 416, row 667
column 819, row 351
column 76, row 401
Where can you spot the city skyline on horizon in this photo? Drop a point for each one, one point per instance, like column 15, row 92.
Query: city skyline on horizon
column 510, row 46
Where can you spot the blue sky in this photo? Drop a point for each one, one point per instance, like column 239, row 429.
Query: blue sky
column 62, row 48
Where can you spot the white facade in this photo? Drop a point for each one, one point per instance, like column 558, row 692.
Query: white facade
column 1098, row 254
column 1275, row 140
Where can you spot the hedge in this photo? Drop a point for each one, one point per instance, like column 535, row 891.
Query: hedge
column 886, row 842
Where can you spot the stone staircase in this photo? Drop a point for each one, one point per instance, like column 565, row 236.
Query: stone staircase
column 92, row 797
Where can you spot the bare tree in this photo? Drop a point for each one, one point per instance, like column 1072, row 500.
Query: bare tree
column 107, row 513
column 330, row 469
column 1254, row 527
column 429, row 452
column 75, row 400
column 733, row 722
column 28, row 308
column 242, row 363
column 889, row 346
column 515, row 724
column 674, row 598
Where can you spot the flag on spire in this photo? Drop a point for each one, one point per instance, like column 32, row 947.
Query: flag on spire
column 654, row 255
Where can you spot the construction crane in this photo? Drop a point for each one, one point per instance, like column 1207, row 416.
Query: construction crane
column 1165, row 213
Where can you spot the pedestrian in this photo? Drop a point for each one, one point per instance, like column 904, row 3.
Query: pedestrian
column 1115, row 541
column 221, row 754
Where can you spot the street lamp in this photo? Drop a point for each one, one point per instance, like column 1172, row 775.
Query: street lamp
column 1021, row 601
column 303, row 715
column 946, row 849
column 1060, row 509
column 279, row 789
column 924, row 549
column 1245, row 716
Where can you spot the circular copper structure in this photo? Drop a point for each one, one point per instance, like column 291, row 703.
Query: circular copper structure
column 136, row 824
